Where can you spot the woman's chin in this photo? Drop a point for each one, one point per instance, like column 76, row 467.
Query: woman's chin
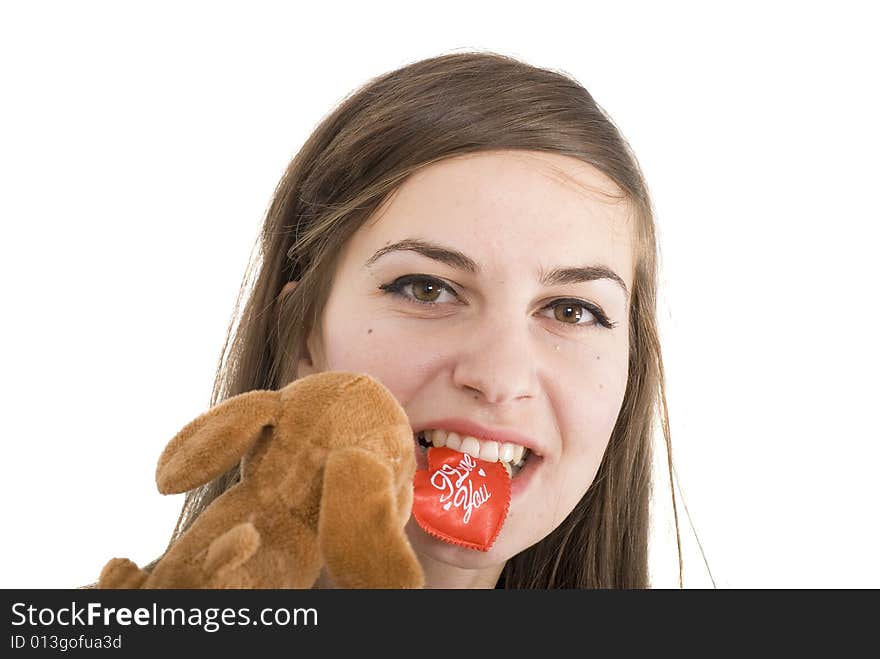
column 426, row 545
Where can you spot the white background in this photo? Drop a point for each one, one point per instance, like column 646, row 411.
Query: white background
column 139, row 149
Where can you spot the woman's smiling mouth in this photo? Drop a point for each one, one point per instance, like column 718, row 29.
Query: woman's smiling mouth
column 511, row 456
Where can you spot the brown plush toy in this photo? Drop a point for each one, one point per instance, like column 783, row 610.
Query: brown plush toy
column 327, row 470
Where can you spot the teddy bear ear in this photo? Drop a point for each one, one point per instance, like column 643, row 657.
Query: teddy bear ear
column 214, row 442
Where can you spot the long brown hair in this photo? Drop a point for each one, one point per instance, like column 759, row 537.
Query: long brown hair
column 357, row 156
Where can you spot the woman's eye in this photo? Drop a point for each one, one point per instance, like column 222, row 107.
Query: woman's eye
column 418, row 289
column 577, row 313
column 421, row 289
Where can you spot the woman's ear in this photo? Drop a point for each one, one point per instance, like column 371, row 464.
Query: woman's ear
column 288, row 288
column 306, row 364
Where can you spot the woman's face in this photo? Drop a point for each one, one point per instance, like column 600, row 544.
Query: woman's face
column 486, row 334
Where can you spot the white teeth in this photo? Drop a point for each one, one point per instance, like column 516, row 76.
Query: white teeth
column 511, row 455
column 471, row 446
column 437, row 438
column 517, row 453
column 489, row 451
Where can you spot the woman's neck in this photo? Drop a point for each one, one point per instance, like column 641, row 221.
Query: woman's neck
column 442, row 575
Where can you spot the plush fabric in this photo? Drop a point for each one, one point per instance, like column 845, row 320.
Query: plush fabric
column 327, row 481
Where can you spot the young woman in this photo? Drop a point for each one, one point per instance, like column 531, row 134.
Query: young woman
column 475, row 233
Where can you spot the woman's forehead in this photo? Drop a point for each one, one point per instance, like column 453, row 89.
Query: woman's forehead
column 533, row 207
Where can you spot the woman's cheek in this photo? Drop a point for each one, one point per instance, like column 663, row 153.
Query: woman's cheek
column 399, row 359
column 594, row 405
column 608, row 377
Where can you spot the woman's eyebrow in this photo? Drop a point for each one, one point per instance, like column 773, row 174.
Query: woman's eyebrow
column 459, row 261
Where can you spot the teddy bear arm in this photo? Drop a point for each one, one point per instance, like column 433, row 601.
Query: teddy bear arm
column 232, row 548
column 121, row 573
column 359, row 533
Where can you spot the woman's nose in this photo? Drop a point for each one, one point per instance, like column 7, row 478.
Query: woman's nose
column 497, row 362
